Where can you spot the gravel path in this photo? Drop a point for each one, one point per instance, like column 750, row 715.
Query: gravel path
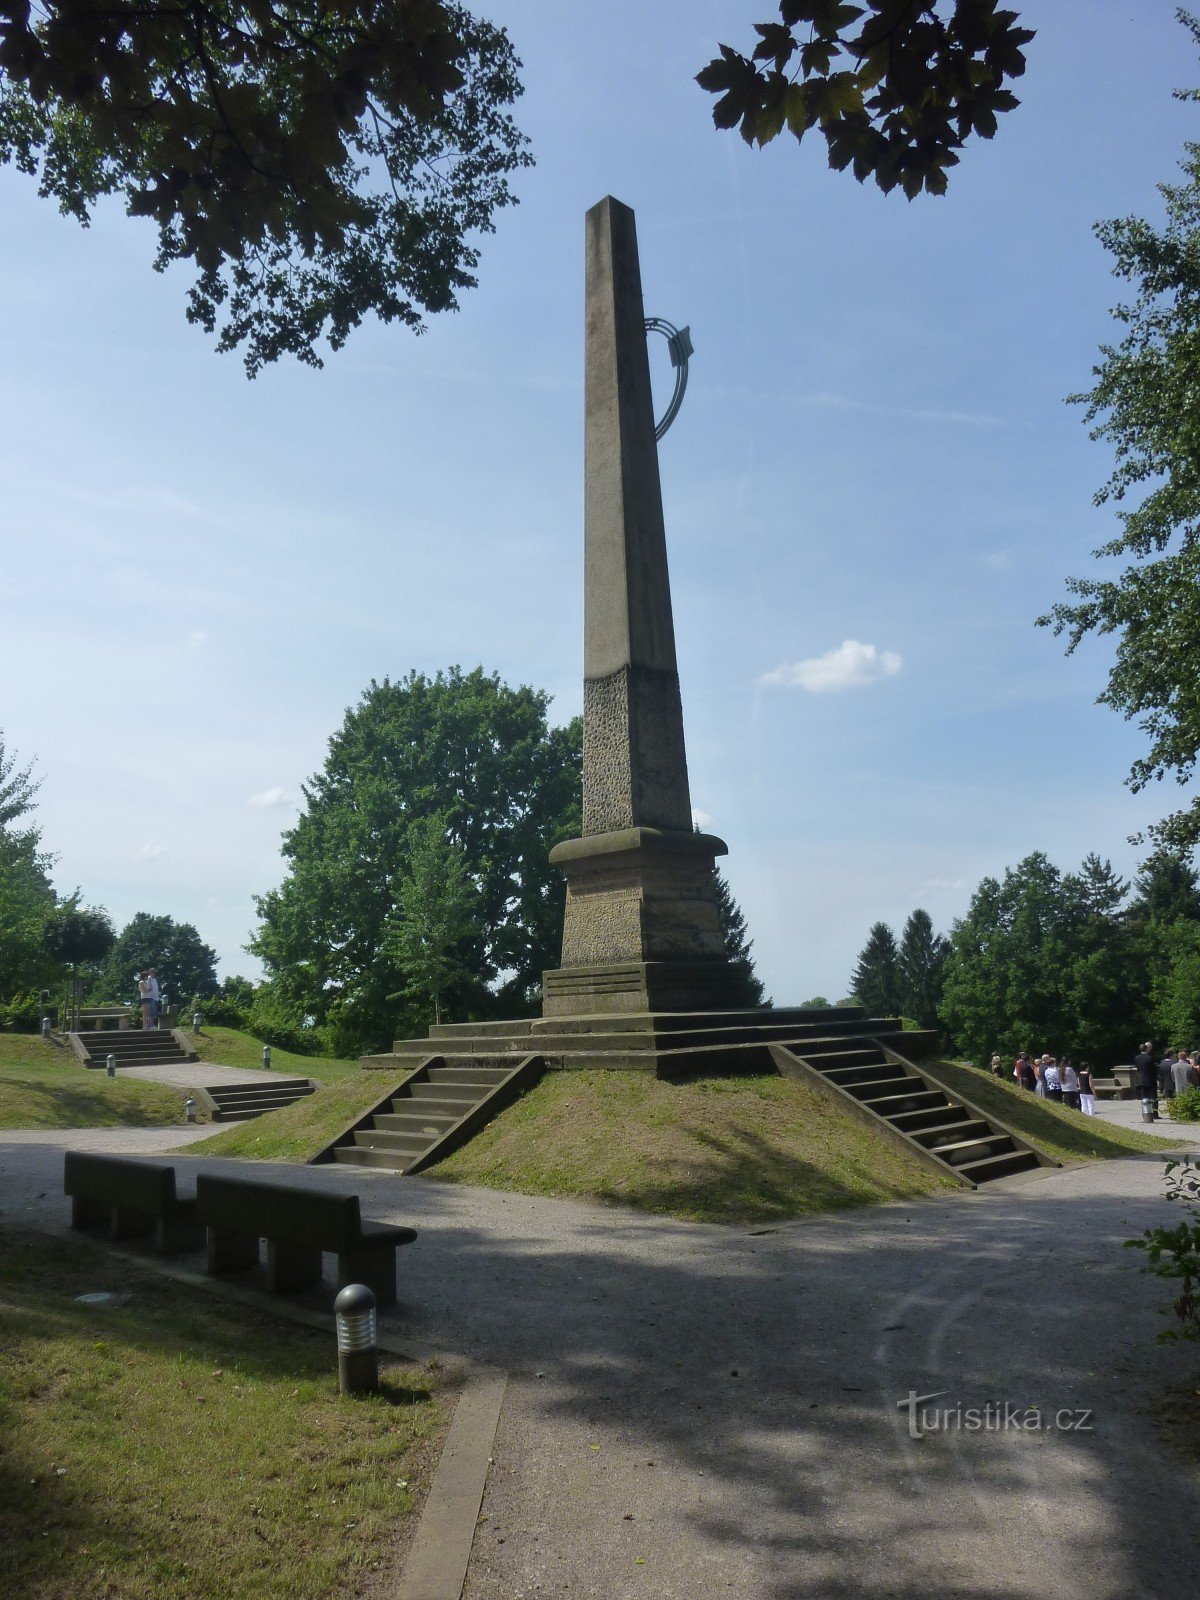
column 695, row 1411
column 202, row 1075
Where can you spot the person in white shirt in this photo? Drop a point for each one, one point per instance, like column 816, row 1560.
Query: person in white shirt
column 1051, row 1079
column 155, row 996
column 145, row 997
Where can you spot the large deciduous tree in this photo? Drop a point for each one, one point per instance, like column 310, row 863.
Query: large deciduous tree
column 26, row 895
column 1144, row 404
column 896, row 87
column 1046, row 960
column 481, row 757
column 186, row 966
column 312, row 162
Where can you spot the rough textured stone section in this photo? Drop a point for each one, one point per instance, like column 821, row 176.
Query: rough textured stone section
column 634, row 761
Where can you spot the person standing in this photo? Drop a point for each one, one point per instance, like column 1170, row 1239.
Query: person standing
column 145, row 996
column 1181, row 1073
column 1028, row 1075
column 1087, row 1089
column 1053, row 1078
column 1166, row 1083
column 1070, row 1084
column 997, row 1069
column 1147, row 1071
column 155, row 997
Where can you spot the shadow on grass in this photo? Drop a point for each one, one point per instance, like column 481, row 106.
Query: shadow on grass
column 67, row 1104
column 746, row 1178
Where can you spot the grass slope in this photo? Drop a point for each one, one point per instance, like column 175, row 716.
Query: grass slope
column 43, row 1086
column 1060, row 1132
column 298, row 1131
column 746, row 1149
column 228, row 1047
column 176, row 1448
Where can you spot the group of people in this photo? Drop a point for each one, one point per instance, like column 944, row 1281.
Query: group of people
column 1064, row 1082
column 149, row 997
column 1178, row 1070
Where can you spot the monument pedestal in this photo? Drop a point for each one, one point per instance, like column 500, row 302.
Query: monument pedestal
column 641, row 930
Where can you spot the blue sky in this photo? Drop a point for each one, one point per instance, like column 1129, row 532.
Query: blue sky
column 201, row 573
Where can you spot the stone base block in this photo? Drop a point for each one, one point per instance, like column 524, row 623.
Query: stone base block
column 633, row 986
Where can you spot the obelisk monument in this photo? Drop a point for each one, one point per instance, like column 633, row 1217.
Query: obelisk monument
column 641, row 931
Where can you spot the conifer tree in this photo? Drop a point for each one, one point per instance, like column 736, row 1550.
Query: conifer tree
column 920, row 964
column 737, row 946
column 876, row 980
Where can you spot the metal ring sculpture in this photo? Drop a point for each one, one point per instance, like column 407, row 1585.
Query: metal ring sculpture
column 679, row 342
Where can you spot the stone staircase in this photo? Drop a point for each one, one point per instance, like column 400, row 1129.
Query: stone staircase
column 238, row 1101
column 441, row 1104
column 909, row 1106
column 131, row 1047
column 670, row 1044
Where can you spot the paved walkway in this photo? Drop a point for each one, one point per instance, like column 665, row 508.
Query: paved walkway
column 202, row 1075
column 695, row 1412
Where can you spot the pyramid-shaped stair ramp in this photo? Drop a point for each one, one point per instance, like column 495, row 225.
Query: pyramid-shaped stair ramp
column 911, row 1108
column 432, row 1111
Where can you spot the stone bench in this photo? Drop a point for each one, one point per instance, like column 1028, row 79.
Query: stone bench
column 131, row 1199
column 298, row 1225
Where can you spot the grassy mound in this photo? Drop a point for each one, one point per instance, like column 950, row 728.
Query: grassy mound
column 298, row 1131
column 1057, row 1130
column 44, row 1086
column 228, row 1047
column 747, row 1149
column 173, row 1447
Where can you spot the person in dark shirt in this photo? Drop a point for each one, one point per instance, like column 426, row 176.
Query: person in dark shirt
column 1147, row 1071
column 1028, row 1075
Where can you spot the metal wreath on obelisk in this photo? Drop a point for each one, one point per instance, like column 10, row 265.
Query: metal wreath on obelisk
column 641, row 930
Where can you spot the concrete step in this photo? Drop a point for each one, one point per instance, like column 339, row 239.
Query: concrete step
column 427, row 1105
column 965, row 1152
column 883, row 1084
column 460, row 1089
column 415, row 1122
column 949, row 1133
column 943, row 1115
column 375, row 1139
column 869, row 1072
column 1001, row 1166
column 917, row 1100
column 356, row 1156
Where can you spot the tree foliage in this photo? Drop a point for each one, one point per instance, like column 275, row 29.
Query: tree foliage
column 749, row 989
column 1144, row 404
column 896, row 87
column 479, row 755
column 76, row 934
column 26, row 895
column 1044, row 960
column 185, row 964
column 312, row 162
column 875, row 981
column 920, row 965
column 430, row 932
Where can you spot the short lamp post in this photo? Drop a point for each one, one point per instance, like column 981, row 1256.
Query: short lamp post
column 266, row 1057
column 189, row 1109
column 196, row 1021
column 358, row 1357
column 110, row 1066
column 46, row 1027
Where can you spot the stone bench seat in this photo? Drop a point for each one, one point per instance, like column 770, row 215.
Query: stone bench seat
column 131, row 1198
column 299, row 1225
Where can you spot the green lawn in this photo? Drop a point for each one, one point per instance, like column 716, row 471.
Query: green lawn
column 299, row 1131
column 744, row 1149
column 44, row 1086
column 231, row 1048
column 1060, row 1132
column 179, row 1447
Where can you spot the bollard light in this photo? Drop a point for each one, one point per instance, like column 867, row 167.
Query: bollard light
column 196, row 1019
column 189, row 1109
column 267, row 1057
column 358, row 1358
column 45, row 1027
column 110, row 1066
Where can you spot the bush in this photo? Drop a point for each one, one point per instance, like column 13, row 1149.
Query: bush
column 1174, row 1253
column 1185, row 1107
column 21, row 1014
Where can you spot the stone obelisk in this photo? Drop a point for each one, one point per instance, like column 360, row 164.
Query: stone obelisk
column 641, row 931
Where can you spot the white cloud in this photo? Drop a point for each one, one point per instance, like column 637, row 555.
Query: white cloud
column 850, row 666
column 701, row 819
column 196, row 638
column 942, row 883
column 150, row 852
column 272, row 797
